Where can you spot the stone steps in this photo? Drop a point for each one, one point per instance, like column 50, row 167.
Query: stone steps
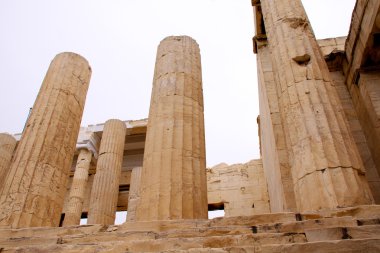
column 336, row 246
column 141, row 244
column 284, row 232
column 339, row 233
column 149, row 242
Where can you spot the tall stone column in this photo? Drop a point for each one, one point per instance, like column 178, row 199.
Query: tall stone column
column 326, row 167
column 78, row 189
column 134, row 193
column 7, row 146
column 173, row 181
column 33, row 194
column 105, row 188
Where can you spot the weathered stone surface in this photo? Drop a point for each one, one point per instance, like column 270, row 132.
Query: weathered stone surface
column 78, row 189
column 326, row 168
column 272, row 133
column 89, row 138
column 43, row 232
column 122, row 204
column 330, row 45
column 134, row 194
column 225, row 235
column 302, row 226
column 173, row 181
column 7, row 146
column 254, row 220
column 372, row 175
column 361, row 74
column 340, row 233
column 370, row 246
column 361, row 212
column 352, row 246
column 302, row 137
column 105, row 189
column 34, row 191
column 241, row 188
column 168, row 225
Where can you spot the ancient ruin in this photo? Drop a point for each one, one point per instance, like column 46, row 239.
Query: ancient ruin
column 78, row 188
column 105, row 188
column 7, row 146
column 316, row 187
column 34, row 188
column 173, row 180
column 325, row 169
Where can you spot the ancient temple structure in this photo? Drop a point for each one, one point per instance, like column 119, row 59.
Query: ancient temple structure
column 316, row 187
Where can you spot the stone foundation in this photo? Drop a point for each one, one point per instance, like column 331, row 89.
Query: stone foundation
column 344, row 230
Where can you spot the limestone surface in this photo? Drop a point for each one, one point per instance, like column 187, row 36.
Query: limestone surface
column 240, row 188
column 309, row 192
column 78, row 189
column 173, row 180
column 357, row 231
column 134, row 193
column 34, row 191
column 7, row 146
column 274, row 154
column 105, row 189
column 361, row 75
column 326, row 168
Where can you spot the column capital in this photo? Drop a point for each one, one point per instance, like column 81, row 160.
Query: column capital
column 89, row 141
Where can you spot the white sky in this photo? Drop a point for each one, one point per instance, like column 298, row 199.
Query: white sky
column 119, row 38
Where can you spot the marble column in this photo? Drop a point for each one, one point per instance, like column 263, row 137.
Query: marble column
column 105, row 188
column 7, row 146
column 325, row 164
column 134, row 193
column 78, row 189
column 33, row 193
column 173, row 180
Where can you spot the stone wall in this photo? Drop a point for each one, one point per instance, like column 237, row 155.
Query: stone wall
column 372, row 174
column 241, row 188
column 361, row 69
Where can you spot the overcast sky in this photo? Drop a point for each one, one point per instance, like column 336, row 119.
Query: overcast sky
column 120, row 37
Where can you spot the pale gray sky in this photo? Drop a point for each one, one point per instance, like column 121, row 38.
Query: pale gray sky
column 119, row 38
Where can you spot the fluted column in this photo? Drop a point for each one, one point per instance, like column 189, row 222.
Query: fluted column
column 7, row 146
column 33, row 194
column 134, row 193
column 326, row 167
column 105, row 188
column 173, row 181
column 78, row 189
